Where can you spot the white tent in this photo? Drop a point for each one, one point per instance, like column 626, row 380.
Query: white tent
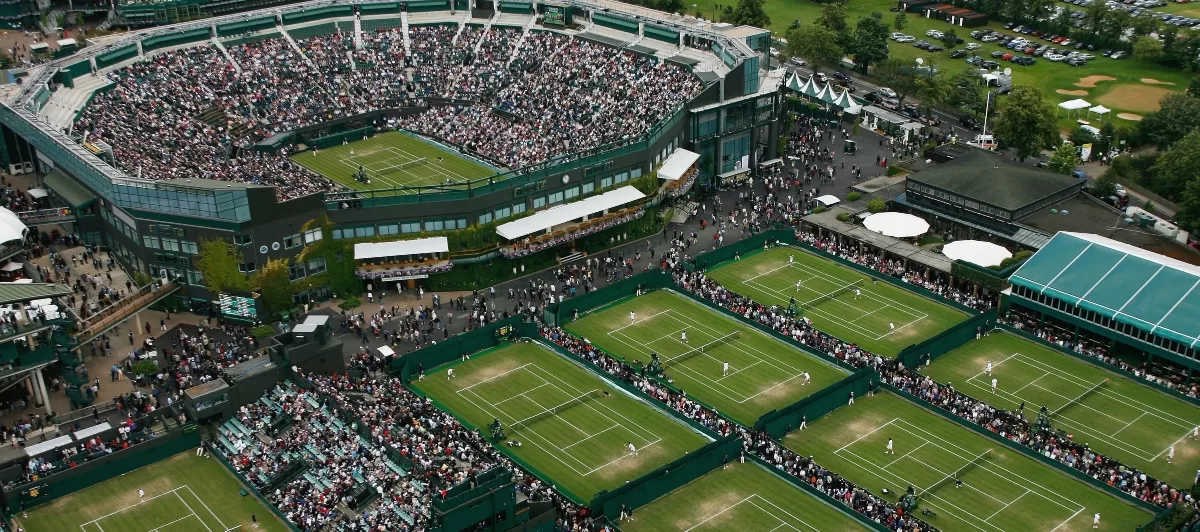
column 38, row 193
column 11, row 227
column 896, row 224
column 1074, row 105
column 976, row 252
column 828, row 199
column 1100, row 110
column 678, row 164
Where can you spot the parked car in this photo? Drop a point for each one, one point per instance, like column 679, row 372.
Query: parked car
column 990, row 38
column 935, row 34
column 974, row 46
column 821, row 77
column 897, row 36
column 796, row 61
column 990, row 65
column 934, row 48
column 888, row 92
column 1007, row 57
column 841, row 76
column 958, row 54
column 970, row 122
column 1120, row 54
column 998, row 53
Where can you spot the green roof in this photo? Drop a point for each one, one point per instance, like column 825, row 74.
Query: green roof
column 1152, row 292
column 988, row 177
column 70, row 190
column 21, row 292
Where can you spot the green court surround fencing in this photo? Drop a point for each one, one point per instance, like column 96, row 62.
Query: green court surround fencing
column 947, row 340
column 778, row 423
column 344, row 136
column 1025, row 450
column 807, row 488
column 646, row 488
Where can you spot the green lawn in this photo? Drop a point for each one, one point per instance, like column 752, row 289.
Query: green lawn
column 739, row 497
column 183, row 493
column 1004, row 490
column 1120, row 418
column 571, row 431
column 391, row 159
column 1046, row 75
column 765, row 374
column 866, row 319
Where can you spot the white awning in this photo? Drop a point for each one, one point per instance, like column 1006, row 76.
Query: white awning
column 11, row 227
column 1100, row 110
column 64, row 43
column 828, row 199
column 39, row 47
column 976, row 252
column 677, row 164
column 12, row 267
column 400, row 248
column 38, row 193
column 896, row 224
column 1072, row 105
column 567, row 212
column 386, row 351
column 84, row 434
column 49, row 445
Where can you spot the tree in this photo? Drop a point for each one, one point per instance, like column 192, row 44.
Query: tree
column 272, row 281
column 833, row 16
column 218, row 262
column 949, row 38
column 1145, row 23
column 750, row 13
column 900, row 21
column 1148, row 49
column 1177, row 116
column 816, row 44
column 1188, row 216
column 1193, row 89
column 870, row 41
column 932, row 89
column 898, row 75
column 795, row 24
column 1178, row 167
column 966, row 91
column 1025, row 121
column 1080, row 136
column 1065, row 159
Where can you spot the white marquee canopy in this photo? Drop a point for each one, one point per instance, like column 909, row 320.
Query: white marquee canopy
column 976, row 252
column 896, row 224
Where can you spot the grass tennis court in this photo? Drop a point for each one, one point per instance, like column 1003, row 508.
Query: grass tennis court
column 568, row 428
column 739, row 497
column 391, row 160
column 825, row 293
column 764, row 373
column 183, row 493
column 1112, row 413
column 1002, row 489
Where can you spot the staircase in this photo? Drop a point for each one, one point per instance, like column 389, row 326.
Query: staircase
column 224, row 51
column 296, row 47
column 404, row 27
column 358, row 40
column 48, row 22
column 218, row 118
column 517, row 48
column 75, row 372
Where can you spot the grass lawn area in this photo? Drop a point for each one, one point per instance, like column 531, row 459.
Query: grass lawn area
column 1002, row 489
column 1125, row 94
column 573, row 425
column 776, row 275
column 1112, row 413
column 740, row 497
column 764, row 373
column 391, row 159
column 183, row 493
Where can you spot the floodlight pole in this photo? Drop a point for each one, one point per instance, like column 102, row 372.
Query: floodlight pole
column 987, row 106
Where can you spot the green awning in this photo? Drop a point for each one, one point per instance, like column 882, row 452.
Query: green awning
column 18, row 292
column 75, row 194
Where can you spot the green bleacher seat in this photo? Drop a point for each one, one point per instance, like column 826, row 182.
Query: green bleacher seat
column 418, row 485
column 404, row 515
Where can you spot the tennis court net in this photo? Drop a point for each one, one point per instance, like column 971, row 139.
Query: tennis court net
column 410, row 164
column 957, row 474
column 1080, row 397
column 826, row 297
column 701, row 349
column 556, row 409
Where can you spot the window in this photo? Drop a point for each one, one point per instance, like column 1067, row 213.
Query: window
column 462, row 223
column 316, row 266
column 243, row 240
column 572, row 192
column 194, row 277
column 588, row 188
column 485, row 218
column 435, row 225
column 518, row 208
column 410, row 227
column 388, row 229
column 635, row 173
column 503, row 213
column 539, row 202
column 188, row 247
column 312, row 235
column 338, row 234
column 296, row 271
column 291, row 241
column 556, row 197
column 364, row 231
column 606, row 182
column 170, row 244
column 246, row 267
column 150, row 242
column 621, row 177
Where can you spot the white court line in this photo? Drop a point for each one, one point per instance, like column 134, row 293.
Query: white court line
column 785, row 512
column 189, row 507
column 173, row 522
column 588, row 438
column 914, row 449
column 1160, row 453
column 647, row 318
column 520, row 395
column 994, row 366
column 1118, row 431
column 912, row 311
column 1068, row 520
column 219, row 521
column 873, row 431
column 94, row 521
column 1030, row 383
column 711, row 517
column 1010, row 503
column 496, row 376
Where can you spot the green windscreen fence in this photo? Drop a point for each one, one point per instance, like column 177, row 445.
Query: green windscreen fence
column 389, row 8
column 947, row 340
column 615, row 23
column 74, row 70
column 174, row 39
column 667, row 478
column 237, row 28
column 434, row 5
column 563, row 312
column 318, row 14
column 116, row 56
column 778, row 423
column 660, row 34
column 453, row 348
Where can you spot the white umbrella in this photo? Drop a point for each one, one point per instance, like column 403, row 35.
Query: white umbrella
column 976, row 252
column 896, row 224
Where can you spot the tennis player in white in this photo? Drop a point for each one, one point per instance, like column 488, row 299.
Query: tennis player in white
column 724, row 369
column 1170, row 454
column 889, row 448
column 632, row 316
column 141, row 495
column 988, row 369
column 993, row 385
column 1096, row 520
column 632, row 449
column 791, row 259
column 683, row 336
column 857, row 293
column 807, row 379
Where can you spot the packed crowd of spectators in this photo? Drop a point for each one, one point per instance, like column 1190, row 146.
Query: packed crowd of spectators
column 532, row 245
column 186, row 114
column 193, row 357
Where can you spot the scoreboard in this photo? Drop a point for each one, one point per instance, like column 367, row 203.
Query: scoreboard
column 554, row 15
column 506, row 333
column 237, row 307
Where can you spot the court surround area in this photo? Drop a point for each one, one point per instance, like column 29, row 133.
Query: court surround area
column 839, row 300
column 392, row 160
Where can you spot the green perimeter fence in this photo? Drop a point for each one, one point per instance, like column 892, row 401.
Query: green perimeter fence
column 1075, row 473
column 948, row 340
column 649, row 487
column 778, row 423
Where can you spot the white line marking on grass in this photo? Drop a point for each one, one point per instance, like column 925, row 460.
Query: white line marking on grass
column 914, row 449
column 219, row 521
column 622, row 457
column 531, row 433
column 900, row 328
column 588, row 438
column 738, row 370
column 873, row 431
column 1068, row 520
column 1007, row 505
column 713, row 516
column 785, row 512
column 189, row 507
column 647, row 318
column 173, row 522
column 520, row 395
column 1125, row 426
column 96, row 521
column 1160, row 453
column 645, row 432
column 994, row 366
column 496, row 376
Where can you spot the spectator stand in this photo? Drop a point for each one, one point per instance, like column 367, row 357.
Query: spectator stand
column 680, row 171
column 565, row 223
column 402, row 260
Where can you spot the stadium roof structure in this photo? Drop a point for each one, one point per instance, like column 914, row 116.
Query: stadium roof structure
column 988, row 177
column 20, row 292
column 567, row 212
column 678, row 164
column 1155, row 293
column 400, row 248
